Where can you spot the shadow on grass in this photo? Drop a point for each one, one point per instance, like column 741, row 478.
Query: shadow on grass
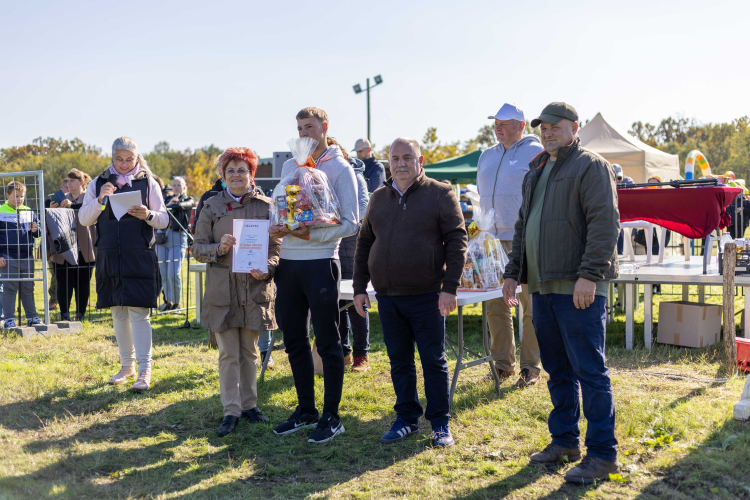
column 175, row 448
column 718, row 468
column 66, row 403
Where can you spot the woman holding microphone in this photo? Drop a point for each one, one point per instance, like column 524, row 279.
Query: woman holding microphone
column 127, row 273
column 236, row 305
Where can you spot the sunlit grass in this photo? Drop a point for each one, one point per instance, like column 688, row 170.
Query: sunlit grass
column 65, row 433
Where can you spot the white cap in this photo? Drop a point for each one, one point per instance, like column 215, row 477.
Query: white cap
column 509, row 112
column 361, row 144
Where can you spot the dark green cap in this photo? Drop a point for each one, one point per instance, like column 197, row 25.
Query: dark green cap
column 554, row 112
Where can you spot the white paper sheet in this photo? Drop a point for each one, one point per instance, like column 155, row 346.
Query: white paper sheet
column 122, row 202
column 251, row 249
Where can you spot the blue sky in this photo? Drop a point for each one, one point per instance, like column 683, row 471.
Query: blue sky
column 236, row 73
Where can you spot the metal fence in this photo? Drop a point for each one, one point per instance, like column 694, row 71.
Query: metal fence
column 68, row 286
column 23, row 263
column 69, row 281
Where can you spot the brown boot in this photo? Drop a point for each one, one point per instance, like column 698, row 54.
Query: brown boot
column 502, row 374
column 348, row 360
column 591, row 469
column 143, row 382
column 361, row 363
column 553, row 454
column 123, row 375
column 527, row 378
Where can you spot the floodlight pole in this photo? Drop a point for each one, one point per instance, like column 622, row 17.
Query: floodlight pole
column 368, row 109
column 358, row 89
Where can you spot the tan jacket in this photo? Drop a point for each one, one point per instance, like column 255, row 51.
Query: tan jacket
column 86, row 236
column 234, row 300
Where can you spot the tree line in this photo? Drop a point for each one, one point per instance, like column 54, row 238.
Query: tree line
column 55, row 157
column 725, row 145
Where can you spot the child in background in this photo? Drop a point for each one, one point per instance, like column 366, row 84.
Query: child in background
column 19, row 226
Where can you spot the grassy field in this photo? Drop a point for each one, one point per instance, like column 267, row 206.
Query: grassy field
column 64, row 433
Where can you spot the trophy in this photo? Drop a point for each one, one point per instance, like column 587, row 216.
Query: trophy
column 291, row 192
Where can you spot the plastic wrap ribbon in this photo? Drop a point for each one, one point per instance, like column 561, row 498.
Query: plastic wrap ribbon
column 309, row 163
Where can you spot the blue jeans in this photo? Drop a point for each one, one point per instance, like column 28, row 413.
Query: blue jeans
column 170, row 257
column 406, row 320
column 360, row 327
column 264, row 340
column 571, row 344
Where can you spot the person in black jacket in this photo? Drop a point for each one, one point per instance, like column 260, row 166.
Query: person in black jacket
column 217, row 188
column 348, row 318
column 374, row 171
column 172, row 252
column 127, row 273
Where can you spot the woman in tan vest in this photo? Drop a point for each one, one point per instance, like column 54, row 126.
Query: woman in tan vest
column 235, row 305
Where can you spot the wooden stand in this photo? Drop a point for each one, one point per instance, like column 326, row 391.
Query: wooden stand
column 730, row 346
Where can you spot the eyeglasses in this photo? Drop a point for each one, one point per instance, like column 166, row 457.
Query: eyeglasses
column 242, row 171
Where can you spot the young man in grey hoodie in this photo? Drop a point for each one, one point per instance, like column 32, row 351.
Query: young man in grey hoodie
column 307, row 279
column 500, row 173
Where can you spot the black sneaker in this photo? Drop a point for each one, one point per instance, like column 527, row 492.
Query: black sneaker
column 328, row 427
column 297, row 421
column 255, row 416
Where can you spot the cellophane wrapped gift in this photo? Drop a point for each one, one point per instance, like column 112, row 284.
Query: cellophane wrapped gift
column 485, row 257
column 317, row 205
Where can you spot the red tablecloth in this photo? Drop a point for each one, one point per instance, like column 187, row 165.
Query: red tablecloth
column 691, row 211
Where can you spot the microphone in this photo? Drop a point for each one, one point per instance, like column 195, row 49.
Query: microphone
column 112, row 179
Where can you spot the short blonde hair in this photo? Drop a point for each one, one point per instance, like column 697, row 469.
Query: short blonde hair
column 312, row 112
column 15, row 186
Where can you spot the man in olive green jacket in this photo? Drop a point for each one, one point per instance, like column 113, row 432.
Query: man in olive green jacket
column 564, row 247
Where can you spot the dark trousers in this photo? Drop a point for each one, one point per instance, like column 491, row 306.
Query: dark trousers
column 407, row 320
column 311, row 285
column 360, row 327
column 74, row 278
column 571, row 344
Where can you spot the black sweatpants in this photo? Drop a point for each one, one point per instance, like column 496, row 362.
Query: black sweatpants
column 74, row 278
column 311, row 285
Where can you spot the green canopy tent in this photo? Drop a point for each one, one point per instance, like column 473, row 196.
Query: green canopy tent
column 459, row 169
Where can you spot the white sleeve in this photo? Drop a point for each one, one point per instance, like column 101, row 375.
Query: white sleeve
column 156, row 205
column 89, row 212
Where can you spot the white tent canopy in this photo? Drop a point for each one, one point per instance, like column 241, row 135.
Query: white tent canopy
column 637, row 159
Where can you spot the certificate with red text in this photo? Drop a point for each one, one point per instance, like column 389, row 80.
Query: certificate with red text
column 251, row 249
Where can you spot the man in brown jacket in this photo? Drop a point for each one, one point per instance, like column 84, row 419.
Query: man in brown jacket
column 411, row 246
column 564, row 247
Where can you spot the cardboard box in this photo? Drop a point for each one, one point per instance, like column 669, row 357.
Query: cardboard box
column 689, row 324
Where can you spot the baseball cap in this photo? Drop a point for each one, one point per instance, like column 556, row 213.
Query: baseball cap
column 509, row 112
column 618, row 170
column 361, row 144
column 554, row 112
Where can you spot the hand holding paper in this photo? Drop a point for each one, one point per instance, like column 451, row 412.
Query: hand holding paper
column 121, row 203
column 139, row 212
column 250, row 247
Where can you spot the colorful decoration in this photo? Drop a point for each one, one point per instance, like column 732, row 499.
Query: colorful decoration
column 694, row 157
